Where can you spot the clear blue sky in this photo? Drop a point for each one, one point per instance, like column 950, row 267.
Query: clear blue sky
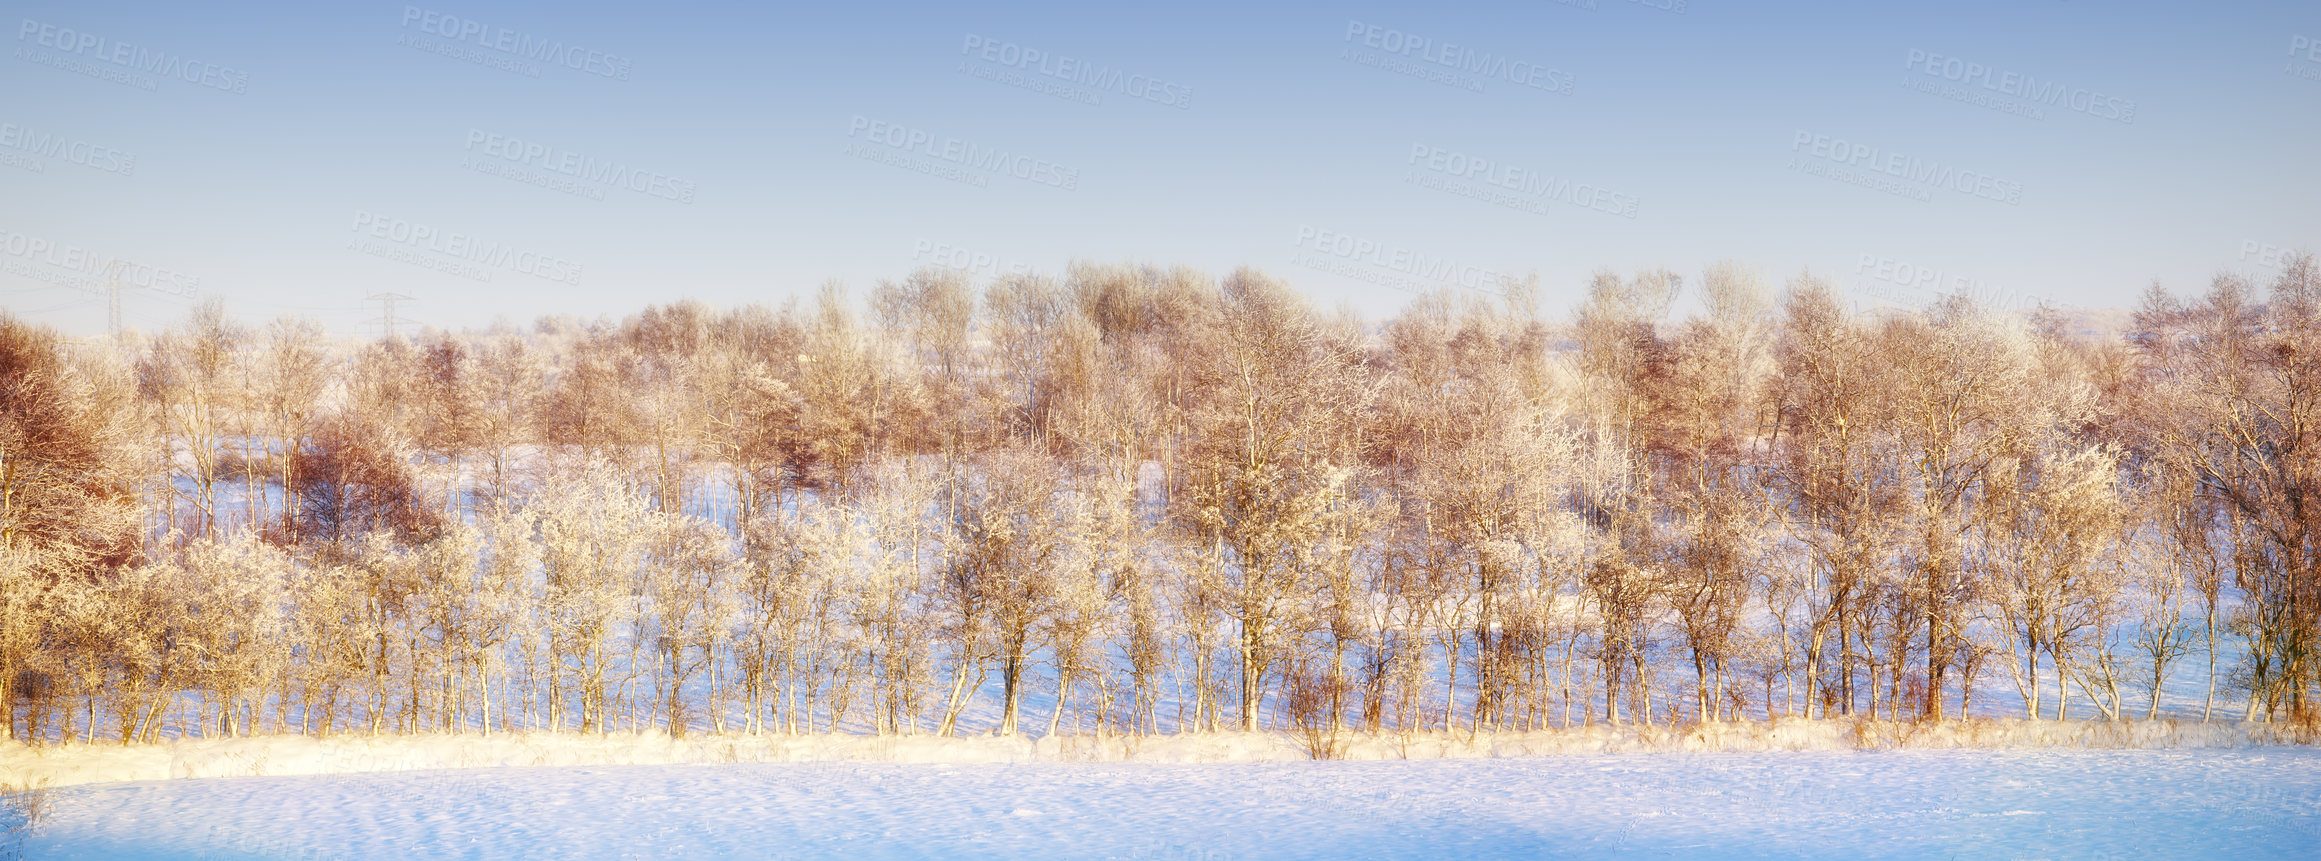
column 732, row 153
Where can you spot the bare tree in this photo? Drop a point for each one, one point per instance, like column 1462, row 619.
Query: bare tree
column 239, row 631
column 1965, row 395
column 294, row 374
column 187, row 379
column 2057, row 514
column 1277, row 383
column 690, row 569
column 1833, row 464
column 592, row 537
column 2165, row 514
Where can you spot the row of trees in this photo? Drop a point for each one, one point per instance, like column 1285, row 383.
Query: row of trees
column 1157, row 502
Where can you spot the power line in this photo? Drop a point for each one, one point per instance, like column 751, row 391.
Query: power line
column 387, row 318
column 113, row 298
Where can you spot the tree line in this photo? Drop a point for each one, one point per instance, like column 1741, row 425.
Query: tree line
column 1141, row 499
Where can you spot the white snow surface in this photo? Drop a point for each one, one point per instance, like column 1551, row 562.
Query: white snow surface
column 283, row 755
column 2260, row 802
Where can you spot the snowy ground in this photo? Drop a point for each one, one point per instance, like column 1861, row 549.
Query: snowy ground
column 290, row 755
column 2260, row 802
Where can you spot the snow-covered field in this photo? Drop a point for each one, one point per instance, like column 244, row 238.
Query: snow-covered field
column 2252, row 803
column 289, row 755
